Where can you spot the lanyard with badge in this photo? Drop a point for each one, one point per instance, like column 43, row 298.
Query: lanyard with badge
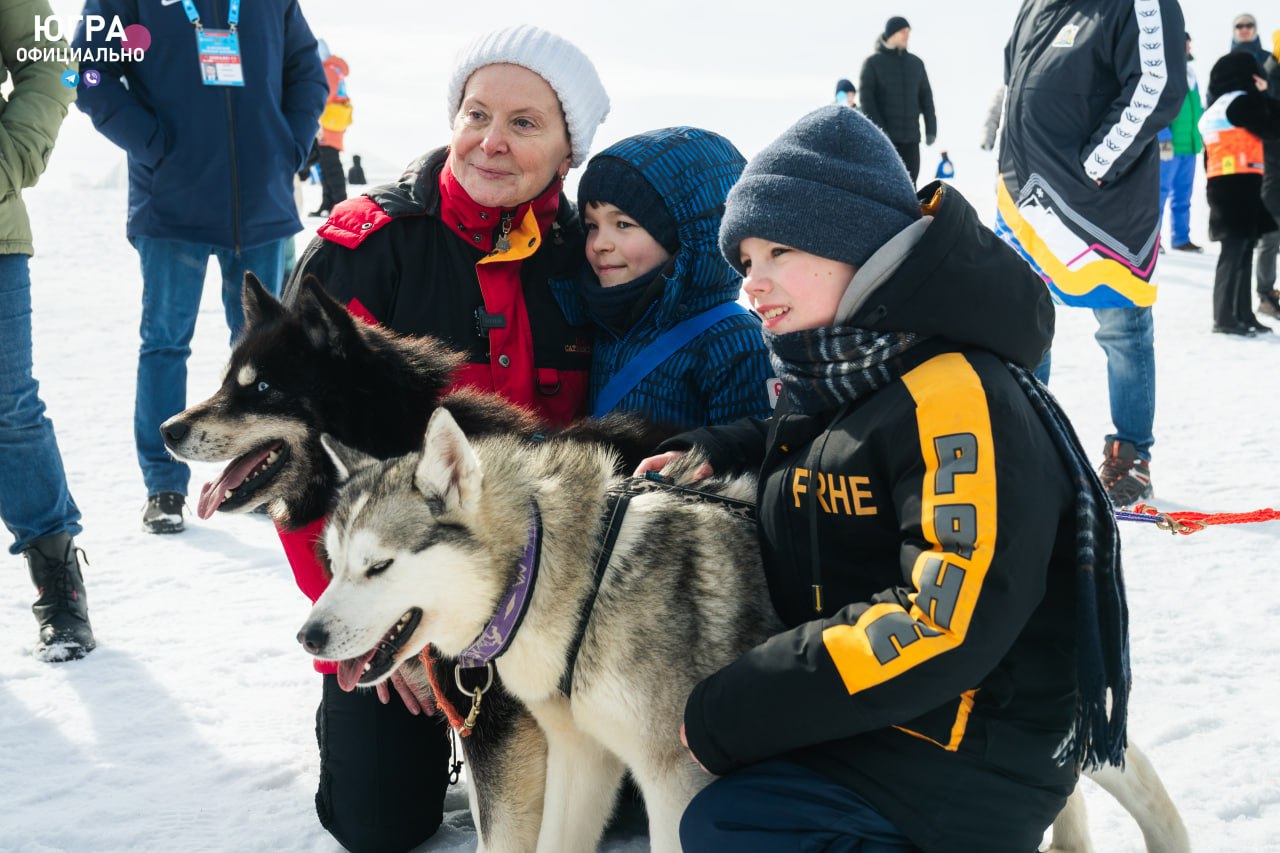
column 218, row 50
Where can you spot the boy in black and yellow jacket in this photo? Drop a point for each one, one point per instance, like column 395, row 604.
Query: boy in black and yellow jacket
column 933, row 535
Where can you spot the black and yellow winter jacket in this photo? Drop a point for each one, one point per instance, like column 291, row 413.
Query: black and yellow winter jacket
column 938, row 678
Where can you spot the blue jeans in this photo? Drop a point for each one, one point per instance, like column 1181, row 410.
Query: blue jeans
column 172, row 281
column 783, row 807
column 34, row 500
column 1177, row 176
column 1127, row 336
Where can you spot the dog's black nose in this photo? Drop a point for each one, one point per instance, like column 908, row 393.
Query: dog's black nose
column 174, row 431
column 313, row 638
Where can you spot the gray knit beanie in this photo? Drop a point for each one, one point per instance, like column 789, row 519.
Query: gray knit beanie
column 832, row 185
column 555, row 59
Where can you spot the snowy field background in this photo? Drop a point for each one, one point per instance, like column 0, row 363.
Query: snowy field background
column 191, row 727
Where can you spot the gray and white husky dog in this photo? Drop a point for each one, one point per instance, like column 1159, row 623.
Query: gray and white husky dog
column 426, row 549
column 423, row 548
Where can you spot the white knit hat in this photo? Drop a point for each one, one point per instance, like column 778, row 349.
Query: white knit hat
column 554, row 59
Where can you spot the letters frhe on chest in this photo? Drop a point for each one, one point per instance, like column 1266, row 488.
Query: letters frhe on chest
column 955, row 526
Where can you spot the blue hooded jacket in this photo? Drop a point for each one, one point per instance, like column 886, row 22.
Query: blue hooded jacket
column 208, row 164
column 723, row 374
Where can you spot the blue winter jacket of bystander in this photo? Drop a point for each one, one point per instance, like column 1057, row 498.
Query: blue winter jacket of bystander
column 207, row 164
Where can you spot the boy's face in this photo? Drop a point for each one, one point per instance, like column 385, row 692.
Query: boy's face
column 618, row 249
column 792, row 290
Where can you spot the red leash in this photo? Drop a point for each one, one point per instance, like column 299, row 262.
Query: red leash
column 1188, row 522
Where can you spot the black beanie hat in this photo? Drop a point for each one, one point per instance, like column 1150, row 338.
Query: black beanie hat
column 843, row 85
column 1233, row 72
column 615, row 181
column 897, row 22
column 832, row 185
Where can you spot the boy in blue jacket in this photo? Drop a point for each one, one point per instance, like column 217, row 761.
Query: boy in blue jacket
column 671, row 341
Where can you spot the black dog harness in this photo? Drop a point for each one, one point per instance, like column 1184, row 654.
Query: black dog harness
column 616, row 501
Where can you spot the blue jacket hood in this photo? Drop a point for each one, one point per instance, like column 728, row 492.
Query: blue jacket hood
column 693, row 170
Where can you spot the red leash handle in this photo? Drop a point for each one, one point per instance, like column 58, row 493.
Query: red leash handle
column 1188, row 522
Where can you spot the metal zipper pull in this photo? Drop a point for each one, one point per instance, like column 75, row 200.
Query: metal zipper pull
column 502, row 243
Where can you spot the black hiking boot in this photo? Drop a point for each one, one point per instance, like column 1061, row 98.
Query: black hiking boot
column 62, row 608
column 163, row 513
column 1126, row 478
column 1269, row 303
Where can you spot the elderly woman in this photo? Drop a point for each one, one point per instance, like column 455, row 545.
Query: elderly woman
column 462, row 248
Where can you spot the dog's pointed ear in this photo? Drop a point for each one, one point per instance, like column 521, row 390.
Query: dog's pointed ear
column 449, row 467
column 324, row 321
column 347, row 460
column 259, row 305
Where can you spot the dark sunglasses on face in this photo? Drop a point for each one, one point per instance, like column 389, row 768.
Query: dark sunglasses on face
column 1245, row 26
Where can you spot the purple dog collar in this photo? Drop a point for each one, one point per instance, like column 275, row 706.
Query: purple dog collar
column 497, row 635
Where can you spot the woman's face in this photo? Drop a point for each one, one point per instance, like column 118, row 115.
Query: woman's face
column 509, row 137
column 792, row 290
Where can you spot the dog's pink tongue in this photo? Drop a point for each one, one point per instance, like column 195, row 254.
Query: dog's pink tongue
column 350, row 670
column 211, row 493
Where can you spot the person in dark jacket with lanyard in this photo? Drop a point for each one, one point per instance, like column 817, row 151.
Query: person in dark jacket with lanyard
column 671, row 341
column 931, row 530
column 216, row 119
column 462, row 247
column 1090, row 85
column 1241, row 114
column 896, row 93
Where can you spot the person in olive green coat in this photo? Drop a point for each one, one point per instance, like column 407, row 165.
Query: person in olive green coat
column 35, row 503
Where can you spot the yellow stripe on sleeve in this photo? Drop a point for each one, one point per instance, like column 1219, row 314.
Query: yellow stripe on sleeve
column 958, row 519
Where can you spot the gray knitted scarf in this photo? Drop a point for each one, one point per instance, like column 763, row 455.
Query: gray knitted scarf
column 1102, row 613
column 825, row 368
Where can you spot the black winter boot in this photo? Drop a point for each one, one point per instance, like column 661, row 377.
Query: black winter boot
column 62, row 608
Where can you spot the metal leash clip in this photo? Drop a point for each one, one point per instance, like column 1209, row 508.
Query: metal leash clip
column 476, row 695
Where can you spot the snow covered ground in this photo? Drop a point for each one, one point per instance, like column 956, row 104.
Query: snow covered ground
column 191, row 726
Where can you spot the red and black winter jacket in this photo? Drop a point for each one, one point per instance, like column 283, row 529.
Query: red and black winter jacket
column 420, row 257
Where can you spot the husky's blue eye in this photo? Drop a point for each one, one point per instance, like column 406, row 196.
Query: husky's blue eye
column 262, row 386
column 378, row 568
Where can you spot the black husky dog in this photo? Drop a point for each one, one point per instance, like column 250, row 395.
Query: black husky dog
column 313, row 368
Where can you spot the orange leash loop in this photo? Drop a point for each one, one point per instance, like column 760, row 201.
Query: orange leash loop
column 450, row 713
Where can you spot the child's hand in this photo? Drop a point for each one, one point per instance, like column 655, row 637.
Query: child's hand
column 416, row 704
column 657, row 463
column 685, row 742
column 1260, row 83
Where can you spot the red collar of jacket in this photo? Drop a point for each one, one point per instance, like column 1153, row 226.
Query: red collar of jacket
column 478, row 224
column 353, row 220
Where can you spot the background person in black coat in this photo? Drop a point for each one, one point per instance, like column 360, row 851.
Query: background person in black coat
column 895, row 94
column 1240, row 114
column 1269, row 243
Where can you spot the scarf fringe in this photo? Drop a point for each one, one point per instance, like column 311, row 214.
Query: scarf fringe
column 1103, row 676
